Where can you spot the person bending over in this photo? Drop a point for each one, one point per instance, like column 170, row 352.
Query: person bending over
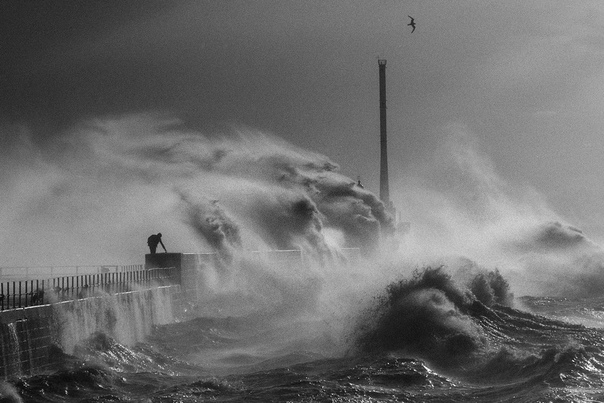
column 153, row 241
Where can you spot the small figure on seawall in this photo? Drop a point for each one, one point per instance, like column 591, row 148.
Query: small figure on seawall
column 153, row 241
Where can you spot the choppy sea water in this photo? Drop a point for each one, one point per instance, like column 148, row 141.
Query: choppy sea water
column 424, row 339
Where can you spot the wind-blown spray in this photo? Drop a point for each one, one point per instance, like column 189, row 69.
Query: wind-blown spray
column 461, row 209
column 247, row 190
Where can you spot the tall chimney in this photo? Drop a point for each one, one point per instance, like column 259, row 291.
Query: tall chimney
column 384, row 189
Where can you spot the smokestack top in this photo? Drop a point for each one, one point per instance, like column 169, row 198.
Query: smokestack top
column 382, row 62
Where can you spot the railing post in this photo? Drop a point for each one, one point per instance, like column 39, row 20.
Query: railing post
column 26, row 295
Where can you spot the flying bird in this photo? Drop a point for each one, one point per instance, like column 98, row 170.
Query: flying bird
column 412, row 23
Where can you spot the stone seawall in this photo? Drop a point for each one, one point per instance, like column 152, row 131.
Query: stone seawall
column 28, row 335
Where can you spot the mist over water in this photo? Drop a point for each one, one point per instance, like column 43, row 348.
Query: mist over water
column 462, row 211
column 442, row 297
column 93, row 194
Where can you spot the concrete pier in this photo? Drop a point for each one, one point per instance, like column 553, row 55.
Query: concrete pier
column 29, row 335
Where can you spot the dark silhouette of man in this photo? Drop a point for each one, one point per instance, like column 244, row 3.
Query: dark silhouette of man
column 153, row 240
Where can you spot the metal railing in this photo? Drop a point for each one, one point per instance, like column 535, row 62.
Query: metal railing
column 20, row 273
column 21, row 294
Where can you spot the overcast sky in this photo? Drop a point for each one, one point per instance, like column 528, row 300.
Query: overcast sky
column 522, row 81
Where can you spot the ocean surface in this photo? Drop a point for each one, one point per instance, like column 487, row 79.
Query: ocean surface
column 424, row 338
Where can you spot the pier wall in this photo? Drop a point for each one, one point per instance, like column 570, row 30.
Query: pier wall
column 28, row 336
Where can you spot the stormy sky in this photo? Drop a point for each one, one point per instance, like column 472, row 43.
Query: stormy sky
column 521, row 81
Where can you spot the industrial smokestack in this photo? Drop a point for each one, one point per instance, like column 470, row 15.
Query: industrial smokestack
column 384, row 187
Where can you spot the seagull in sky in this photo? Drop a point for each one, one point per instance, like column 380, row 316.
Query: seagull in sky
column 412, row 23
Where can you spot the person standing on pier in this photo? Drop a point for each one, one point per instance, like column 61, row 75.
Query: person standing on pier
column 153, row 240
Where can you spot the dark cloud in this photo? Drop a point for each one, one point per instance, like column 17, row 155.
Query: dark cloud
column 45, row 81
column 212, row 63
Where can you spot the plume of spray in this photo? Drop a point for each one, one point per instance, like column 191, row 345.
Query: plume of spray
column 466, row 216
column 211, row 222
column 94, row 194
column 9, row 394
column 430, row 315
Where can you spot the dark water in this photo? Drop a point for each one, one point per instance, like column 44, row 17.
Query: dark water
column 424, row 339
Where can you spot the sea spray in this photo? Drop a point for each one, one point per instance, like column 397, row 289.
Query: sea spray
column 243, row 189
column 430, row 315
column 210, row 221
column 9, row 394
column 128, row 317
column 11, row 349
column 491, row 288
column 277, row 321
column 460, row 207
